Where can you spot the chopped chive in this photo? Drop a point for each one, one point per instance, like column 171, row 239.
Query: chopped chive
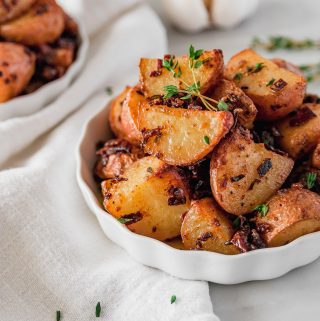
column 270, row 82
column 262, row 210
column 173, row 299
column 206, row 139
column 58, row 315
column 311, row 180
column 98, row 310
column 238, row 76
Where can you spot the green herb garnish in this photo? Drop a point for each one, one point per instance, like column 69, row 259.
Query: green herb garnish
column 270, row 82
column 238, row 76
column 124, row 220
column 236, row 222
column 311, row 180
column 262, row 210
column 173, row 299
column 98, row 310
column 109, row 91
column 188, row 90
column 58, row 315
column 206, row 140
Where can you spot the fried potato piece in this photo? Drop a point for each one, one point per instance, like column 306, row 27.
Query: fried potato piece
column 244, row 174
column 239, row 103
column 43, row 23
column 153, row 77
column 12, row 9
column 150, row 199
column 300, row 131
column 115, row 114
column 17, row 65
column 275, row 91
column 315, row 160
column 287, row 65
column 292, row 213
column 180, row 136
column 205, row 227
column 129, row 115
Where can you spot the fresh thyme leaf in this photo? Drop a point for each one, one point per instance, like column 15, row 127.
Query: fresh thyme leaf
column 109, row 90
column 186, row 97
column 258, row 67
column 173, row 299
column 198, row 64
column 238, row 76
column 309, row 78
column 262, row 210
column 191, row 52
column 58, row 315
column 170, row 91
column 206, row 139
column 198, row 53
column 270, row 82
column 222, row 105
column 195, row 87
column 98, row 310
column 311, row 180
column 178, row 74
column 124, row 220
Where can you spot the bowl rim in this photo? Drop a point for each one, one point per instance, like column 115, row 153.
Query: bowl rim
column 95, row 206
column 44, row 90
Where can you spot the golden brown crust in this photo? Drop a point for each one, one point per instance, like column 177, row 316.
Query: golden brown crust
column 292, row 213
column 43, row 23
column 315, row 160
column 17, row 65
column 244, row 174
column 205, row 227
column 12, row 9
column 274, row 100
column 300, row 131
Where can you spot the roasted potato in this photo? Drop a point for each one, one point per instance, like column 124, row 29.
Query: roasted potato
column 287, row 65
column 129, row 115
column 115, row 114
column 205, row 227
column 43, row 23
column 154, row 77
column 292, row 213
column 239, row 103
column 180, row 136
column 316, row 157
column 12, row 9
column 244, row 174
column 17, row 65
column 275, row 91
column 300, row 131
column 149, row 199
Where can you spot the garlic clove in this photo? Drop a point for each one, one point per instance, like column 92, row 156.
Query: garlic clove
column 229, row 13
column 188, row 15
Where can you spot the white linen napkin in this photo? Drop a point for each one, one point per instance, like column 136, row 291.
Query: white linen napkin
column 53, row 254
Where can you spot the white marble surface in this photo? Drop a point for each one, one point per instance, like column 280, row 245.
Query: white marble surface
column 295, row 296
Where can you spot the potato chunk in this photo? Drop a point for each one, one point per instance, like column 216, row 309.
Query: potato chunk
column 150, row 199
column 275, row 91
column 180, row 136
column 17, row 65
column 153, row 77
column 316, row 157
column 42, row 23
column 205, row 227
column 239, row 103
column 115, row 114
column 292, row 213
column 12, row 9
column 129, row 115
column 300, row 131
column 244, row 174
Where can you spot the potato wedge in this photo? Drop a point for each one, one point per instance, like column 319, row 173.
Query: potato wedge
column 275, row 91
column 244, row 174
column 205, row 227
column 292, row 213
column 239, row 103
column 315, row 160
column 181, row 136
column 153, row 77
column 42, row 23
column 115, row 114
column 129, row 115
column 17, row 65
column 12, row 9
column 300, row 131
column 150, row 199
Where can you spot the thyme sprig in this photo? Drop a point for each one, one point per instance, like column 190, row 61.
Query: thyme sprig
column 311, row 71
column 190, row 90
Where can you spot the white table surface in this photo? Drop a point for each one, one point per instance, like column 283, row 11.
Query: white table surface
column 295, row 296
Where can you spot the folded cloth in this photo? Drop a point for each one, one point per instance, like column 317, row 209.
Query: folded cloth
column 53, row 254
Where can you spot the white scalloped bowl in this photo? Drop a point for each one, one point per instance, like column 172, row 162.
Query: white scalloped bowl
column 261, row 264
column 28, row 104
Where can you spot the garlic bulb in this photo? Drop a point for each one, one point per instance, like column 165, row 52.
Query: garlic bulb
column 196, row 15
